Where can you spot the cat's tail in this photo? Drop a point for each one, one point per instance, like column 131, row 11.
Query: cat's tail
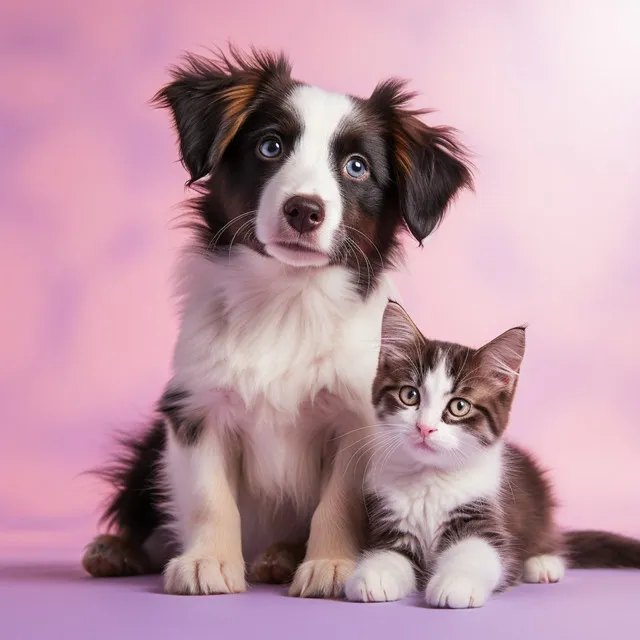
column 601, row 550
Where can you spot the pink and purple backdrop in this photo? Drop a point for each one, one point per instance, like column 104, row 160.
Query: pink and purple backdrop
column 546, row 94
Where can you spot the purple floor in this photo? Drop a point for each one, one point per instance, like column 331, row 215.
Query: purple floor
column 56, row 601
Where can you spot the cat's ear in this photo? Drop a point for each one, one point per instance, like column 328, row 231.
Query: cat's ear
column 399, row 335
column 501, row 358
column 210, row 99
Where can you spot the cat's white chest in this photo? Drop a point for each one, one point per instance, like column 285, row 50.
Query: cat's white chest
column 423, row 510
column 422, row 503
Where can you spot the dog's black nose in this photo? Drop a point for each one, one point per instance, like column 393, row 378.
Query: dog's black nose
column 304, row 213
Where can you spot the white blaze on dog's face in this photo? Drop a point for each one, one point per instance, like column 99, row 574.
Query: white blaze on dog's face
column 310, row 177
column 305, row 176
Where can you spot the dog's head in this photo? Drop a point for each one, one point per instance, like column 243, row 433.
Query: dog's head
column 305, row 176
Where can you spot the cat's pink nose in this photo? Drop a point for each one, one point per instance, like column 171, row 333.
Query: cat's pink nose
column 425, row 431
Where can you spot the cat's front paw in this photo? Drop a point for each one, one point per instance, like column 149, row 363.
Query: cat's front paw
column 321, row 578
column 544, row 569
column 190, row 575
column 456, row 591
column 373, row 586
column 382, row 576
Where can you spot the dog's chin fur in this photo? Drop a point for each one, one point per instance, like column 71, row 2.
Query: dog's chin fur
column 278, row 345
column 297, row 257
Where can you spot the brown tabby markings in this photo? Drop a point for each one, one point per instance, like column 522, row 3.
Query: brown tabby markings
column 519, row 521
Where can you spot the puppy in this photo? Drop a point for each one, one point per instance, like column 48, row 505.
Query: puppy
column 301, row 198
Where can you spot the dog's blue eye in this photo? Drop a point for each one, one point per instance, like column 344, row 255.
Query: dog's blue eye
column 356, row 168
column 270, row 147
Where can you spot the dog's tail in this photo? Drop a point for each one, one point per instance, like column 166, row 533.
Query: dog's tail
column 601, row 550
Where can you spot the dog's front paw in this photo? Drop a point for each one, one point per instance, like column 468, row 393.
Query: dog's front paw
column 456, row 591
column 321, row 578
column 190, row 575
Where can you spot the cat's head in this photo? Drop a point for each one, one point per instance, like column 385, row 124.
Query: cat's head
column 441, row 403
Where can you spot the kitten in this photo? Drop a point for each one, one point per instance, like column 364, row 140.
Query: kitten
column 450, row 504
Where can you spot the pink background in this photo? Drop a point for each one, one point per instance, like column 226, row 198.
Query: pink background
column 546, row 93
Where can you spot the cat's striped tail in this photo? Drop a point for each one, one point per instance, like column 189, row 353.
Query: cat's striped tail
column 601, row 550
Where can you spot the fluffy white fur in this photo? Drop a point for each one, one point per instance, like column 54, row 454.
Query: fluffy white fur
column 280, row 360
column 277, row 356
column 544, row 569
column 465, row 575
column 426, row 497
column 422, row 488
column 381, row 576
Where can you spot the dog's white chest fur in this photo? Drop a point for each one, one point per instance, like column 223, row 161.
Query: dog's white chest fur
column 283, row 361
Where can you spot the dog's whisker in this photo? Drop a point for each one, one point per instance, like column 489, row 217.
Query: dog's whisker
column 211, row 246
column 244, row 226
column 369, row 240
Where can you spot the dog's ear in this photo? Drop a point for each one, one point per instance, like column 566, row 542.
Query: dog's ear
column 211, row 98
column 431, row 173
column 430, row 164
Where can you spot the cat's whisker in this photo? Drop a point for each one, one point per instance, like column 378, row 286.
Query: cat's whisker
column 374, row 433
column 462, row 368
column 368, row 426
column 467, row 375
column 363, row 439
column 368, row 449
column 392, row 448
column 508, row 481
column 368, row 444
column 408, row 360
column 393, row 445
column 389, row 445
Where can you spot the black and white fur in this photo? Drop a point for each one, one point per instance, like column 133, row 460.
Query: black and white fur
column 280, row 327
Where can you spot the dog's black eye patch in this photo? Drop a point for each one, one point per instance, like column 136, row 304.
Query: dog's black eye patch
column 269, row 118
column 372, row 147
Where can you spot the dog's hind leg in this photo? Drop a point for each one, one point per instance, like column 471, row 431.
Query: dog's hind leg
column 277, row 564
column 138, row 546
column 109, row 556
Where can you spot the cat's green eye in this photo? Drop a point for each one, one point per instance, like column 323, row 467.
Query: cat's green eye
column 409, row 396
column 459, row 407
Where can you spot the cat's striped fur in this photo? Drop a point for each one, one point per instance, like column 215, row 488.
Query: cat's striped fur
column 451, row 507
